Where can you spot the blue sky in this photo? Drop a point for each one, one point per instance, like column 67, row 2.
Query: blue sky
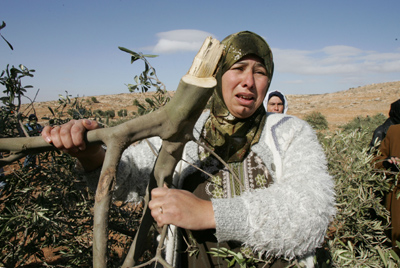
column 319, row 46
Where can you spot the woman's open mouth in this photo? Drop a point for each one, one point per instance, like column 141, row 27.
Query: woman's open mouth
column 245, row 99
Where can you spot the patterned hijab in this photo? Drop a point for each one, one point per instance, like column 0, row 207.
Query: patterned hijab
column 231, row 137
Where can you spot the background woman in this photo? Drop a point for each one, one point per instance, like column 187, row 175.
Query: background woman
column 275, row 102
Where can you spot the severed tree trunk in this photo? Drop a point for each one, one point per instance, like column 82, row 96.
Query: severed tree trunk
column 173, row 123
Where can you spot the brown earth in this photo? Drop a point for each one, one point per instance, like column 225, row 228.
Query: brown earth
column 339, row 108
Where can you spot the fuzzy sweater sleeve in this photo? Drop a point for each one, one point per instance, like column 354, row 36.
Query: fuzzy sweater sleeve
column 289, row 218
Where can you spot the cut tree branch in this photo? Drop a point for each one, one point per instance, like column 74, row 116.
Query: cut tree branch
column 173, row 123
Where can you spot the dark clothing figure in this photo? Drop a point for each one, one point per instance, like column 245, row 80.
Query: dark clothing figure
column 33, row 129
column 380, row 132
column 390, row 148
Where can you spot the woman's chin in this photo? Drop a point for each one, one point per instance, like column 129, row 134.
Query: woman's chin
column 243, row 113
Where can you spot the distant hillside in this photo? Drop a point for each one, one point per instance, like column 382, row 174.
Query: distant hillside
column 339, row 107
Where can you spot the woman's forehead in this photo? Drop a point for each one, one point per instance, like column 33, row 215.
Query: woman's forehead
column 275, row 99
column 250, row 57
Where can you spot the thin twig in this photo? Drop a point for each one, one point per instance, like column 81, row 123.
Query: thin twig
column 196, row 167
column 221, row 160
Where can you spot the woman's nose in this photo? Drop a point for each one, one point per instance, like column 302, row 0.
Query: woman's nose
column 248, row 79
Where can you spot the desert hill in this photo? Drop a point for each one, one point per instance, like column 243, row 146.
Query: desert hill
column 338, row 107
column 341, row 107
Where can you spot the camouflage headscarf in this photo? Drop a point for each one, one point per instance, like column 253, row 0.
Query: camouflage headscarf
column 231, row 137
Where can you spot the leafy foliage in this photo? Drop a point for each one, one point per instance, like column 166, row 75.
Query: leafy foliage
column 148, row 77
column 367, row 123
column 146, row 80
column 94, row 100
column 110, row 113
column 75, row 109
column 99, row 113
column 3, row 25
column 9, row 123
column 357, row 236
column 234, row 258
column 48, row 208
column 42, row 208
column 11, row 78
column 317, row 120
column 123, row 113
column 10, row 115
column 159, row 99
column 361, row 218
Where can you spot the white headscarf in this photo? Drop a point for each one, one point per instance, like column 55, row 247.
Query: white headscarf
column 285, row 103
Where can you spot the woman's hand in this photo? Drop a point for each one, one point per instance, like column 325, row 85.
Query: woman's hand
column 69, row 138
column 181, row 208
column 394, row 160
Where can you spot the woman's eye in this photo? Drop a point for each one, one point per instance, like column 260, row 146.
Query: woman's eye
column 237, row 68
column 261, row 71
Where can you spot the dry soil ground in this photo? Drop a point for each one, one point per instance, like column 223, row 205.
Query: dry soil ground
column 338, row 108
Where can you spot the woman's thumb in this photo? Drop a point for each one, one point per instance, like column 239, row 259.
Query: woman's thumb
column 90, row 124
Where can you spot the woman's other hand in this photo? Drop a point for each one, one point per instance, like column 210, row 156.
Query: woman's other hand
column 69, row 138
column 181, row 208
column 394, row 160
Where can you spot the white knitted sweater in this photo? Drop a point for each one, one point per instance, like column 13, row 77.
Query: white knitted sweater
column 288, row 219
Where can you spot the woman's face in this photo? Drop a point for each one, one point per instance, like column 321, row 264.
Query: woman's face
column 275, row 105
column 244, row 86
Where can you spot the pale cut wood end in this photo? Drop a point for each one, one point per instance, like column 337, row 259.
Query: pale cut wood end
column 206, row 60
